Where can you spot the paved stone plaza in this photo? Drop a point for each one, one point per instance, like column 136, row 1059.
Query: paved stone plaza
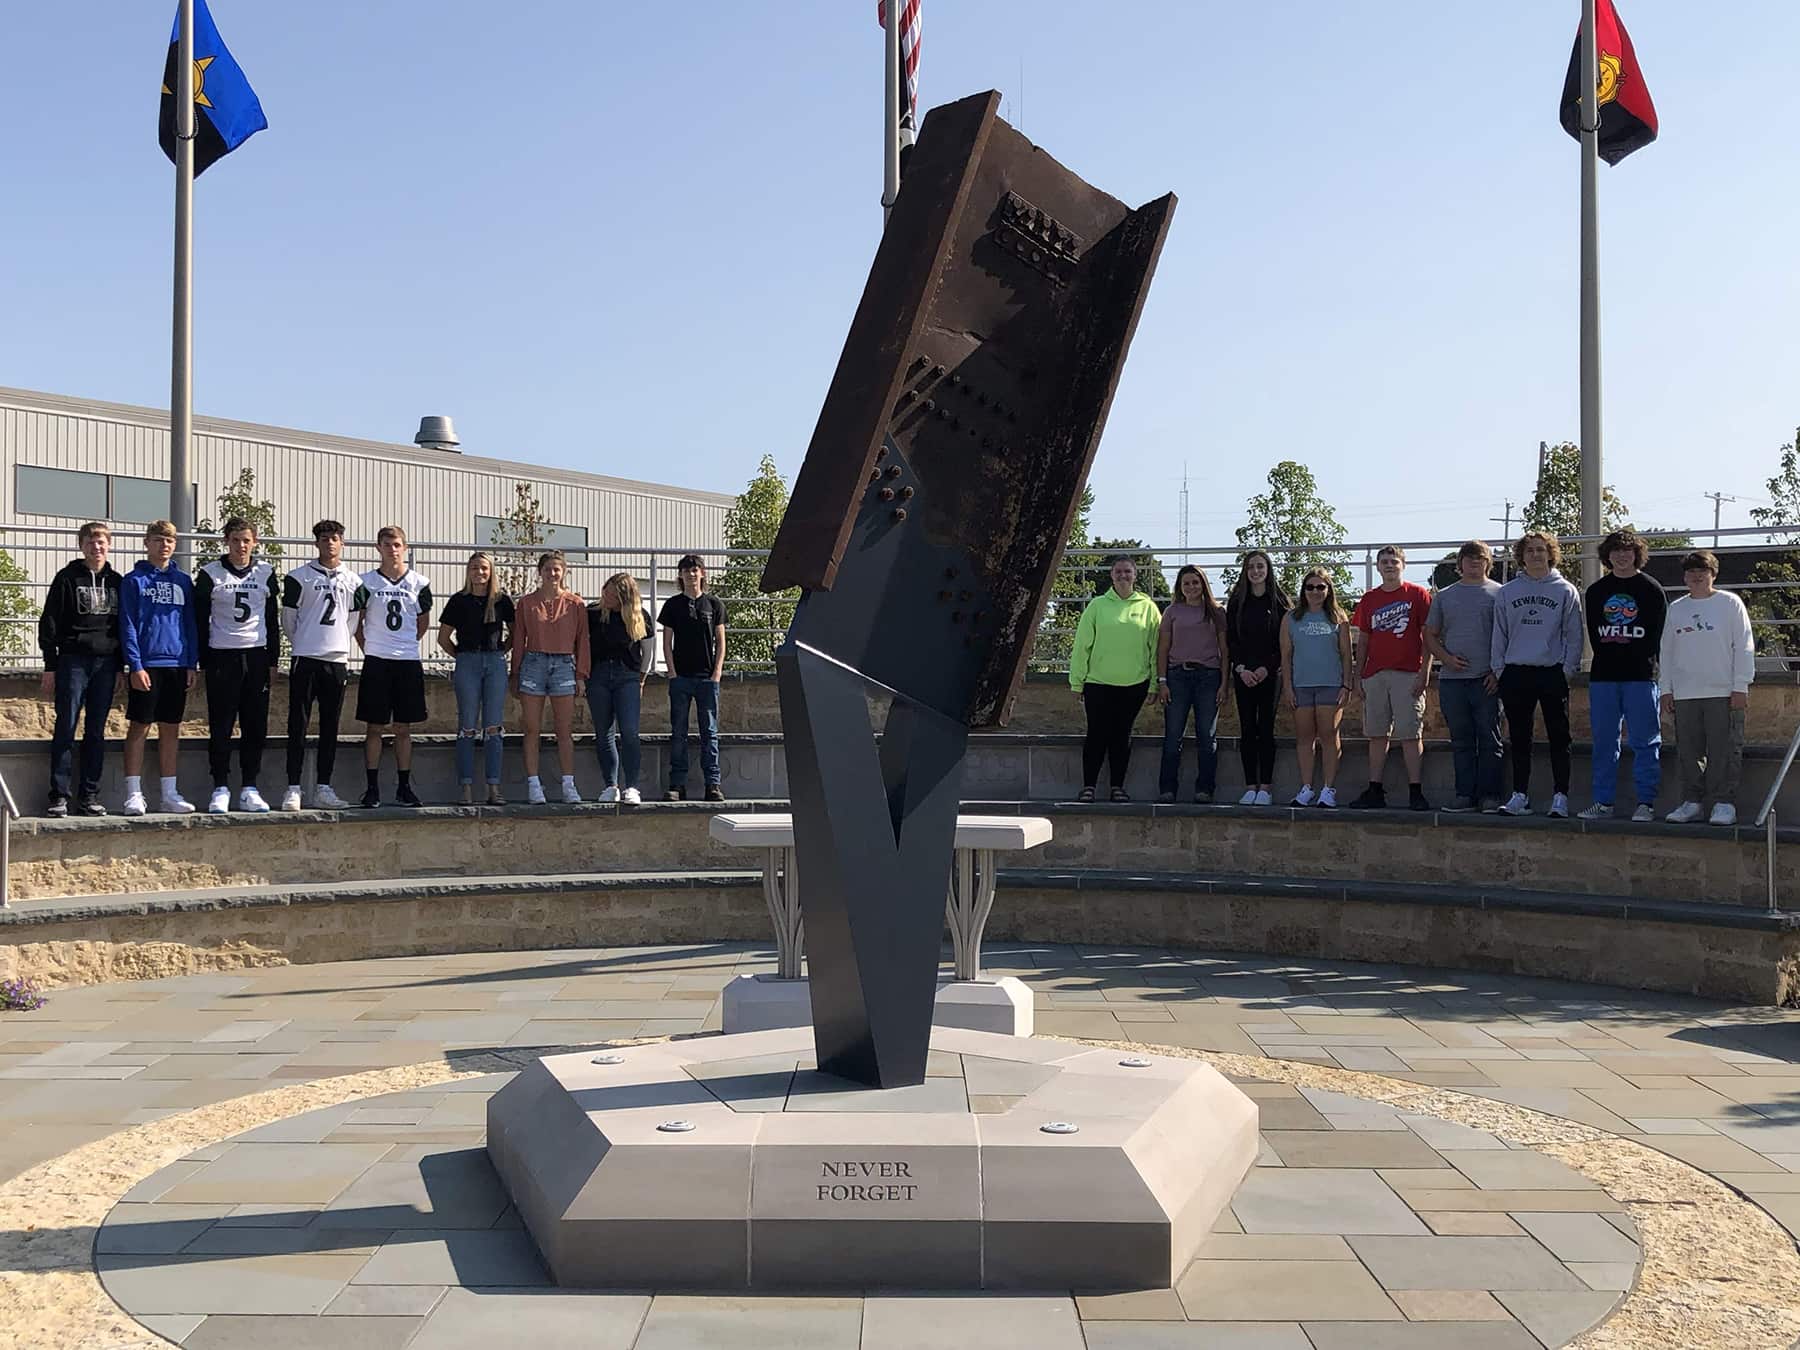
column 1448, row 1160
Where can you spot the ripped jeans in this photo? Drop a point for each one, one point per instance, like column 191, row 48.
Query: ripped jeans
column 480, row 703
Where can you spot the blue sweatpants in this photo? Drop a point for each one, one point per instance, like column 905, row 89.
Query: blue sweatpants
column 1633, row 702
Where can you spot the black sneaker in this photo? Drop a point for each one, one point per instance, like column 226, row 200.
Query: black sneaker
column 58, row 808
column 90, row 805
column 715, row 793
column 372, row 798
column 1415, row 799
column 1374, row 798
column 407, row 797
column 675, row 795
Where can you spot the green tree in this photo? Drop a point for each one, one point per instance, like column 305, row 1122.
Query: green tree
column 517, row 538
column 240, row 499
column 1781, row 518
column 1152, row 579
column 753, row 522
column 1293, row 513
column 1555, row 504
column 1068, row 593
column 18, row 611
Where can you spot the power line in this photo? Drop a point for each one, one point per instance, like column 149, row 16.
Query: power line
column 1718, row 498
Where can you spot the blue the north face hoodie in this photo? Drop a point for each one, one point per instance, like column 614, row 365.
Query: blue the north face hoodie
column 156, row 619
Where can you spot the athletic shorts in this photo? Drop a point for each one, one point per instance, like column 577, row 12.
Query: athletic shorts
column 1390, row 708
column 164, row 701
column 1316, row 696
column 549, row 674
column 390, row 691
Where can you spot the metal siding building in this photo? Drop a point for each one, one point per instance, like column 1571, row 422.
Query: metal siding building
column 435, row 495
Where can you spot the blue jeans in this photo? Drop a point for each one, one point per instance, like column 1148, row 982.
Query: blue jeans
column 480, row 704
column 614, row 695
column 704, row 695
column 1473, row 716
column 1634, row 703
column 1195, row 691
column 84, row 685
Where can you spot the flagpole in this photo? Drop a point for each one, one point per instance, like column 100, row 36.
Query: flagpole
column 890, row 127
column 181, row 365
column 1591, row 471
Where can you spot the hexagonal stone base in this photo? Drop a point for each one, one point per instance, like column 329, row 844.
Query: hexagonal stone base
column 730, row 1162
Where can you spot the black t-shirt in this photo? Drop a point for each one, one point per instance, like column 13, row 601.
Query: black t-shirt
column 1625, row 626
column 467, row 614
column 608, row 641
column 693, row 619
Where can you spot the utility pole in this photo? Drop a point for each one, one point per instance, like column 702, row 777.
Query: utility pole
column 1182, row 528
column 1717, row 498
column 1505, row 524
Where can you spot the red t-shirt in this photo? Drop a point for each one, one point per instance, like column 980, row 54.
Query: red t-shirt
column 1394, row 625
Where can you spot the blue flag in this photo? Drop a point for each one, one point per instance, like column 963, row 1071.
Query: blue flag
column 226, row 110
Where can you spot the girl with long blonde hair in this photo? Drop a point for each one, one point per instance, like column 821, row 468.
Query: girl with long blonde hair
column 619, row 642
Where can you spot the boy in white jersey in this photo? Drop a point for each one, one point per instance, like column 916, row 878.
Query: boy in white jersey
column 240, row 642
column 317, row 601
column 393, row 611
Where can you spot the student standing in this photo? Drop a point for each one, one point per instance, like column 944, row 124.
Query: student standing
column 317, row 601
column 1253, row 618
column 1392, row 673
column 393, row 610
column 240, row 643
column 1625, row 613
column 156, row 633
column 1459, row 632
column 1536, row 647
column 474, row 631
column 79, row 637
column 550, row 665
column 1191, row 652
column 693, row 644
column 1109, row 670
column 1315, row 672
column 619, row 645
column 1708, row 661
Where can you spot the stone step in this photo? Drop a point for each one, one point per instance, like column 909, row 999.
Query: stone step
column 158, row 853
column 1004, row 765
column 1724, row 951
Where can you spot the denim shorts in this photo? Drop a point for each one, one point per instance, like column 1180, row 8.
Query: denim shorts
column 1313, row 695
column 547, row 673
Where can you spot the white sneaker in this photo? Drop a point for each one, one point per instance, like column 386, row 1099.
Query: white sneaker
column 1723, row 814
column 608, row 795
column 175, row 804
column 632, row 795
column 570, row 793
column 1305, row 796
column 1598, row 811
column 1328, row 798
column 534, row 792
column 324, row 799
column 1516, row 805
column 1644, row 814
column 290, row 800
column 134, row 805
column 1685, row 814
column 1559, row 806
column 1263, row 798
column 251, row 800
column 1249, row 797
column 220, row 803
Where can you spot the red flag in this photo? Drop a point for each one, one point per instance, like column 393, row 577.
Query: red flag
column 911, row 29
column 1627, row 116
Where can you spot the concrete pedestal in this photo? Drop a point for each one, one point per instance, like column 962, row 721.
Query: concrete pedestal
column 765, row 1002
column 729, row 1162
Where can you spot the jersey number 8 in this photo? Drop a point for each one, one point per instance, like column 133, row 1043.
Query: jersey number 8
column 393, row 616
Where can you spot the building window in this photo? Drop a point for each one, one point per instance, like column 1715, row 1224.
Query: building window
column 555, row 536
column 90, row 496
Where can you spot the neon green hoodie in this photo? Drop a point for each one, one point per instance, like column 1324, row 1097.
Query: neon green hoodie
column 1115, row 642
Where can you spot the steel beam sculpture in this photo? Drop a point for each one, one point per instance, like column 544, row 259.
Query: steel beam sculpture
column 925, row 527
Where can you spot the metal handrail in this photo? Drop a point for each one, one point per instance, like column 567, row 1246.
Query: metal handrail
column 1766, row 816
column 9, row 812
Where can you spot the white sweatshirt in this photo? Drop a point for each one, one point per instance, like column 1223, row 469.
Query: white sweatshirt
column 1706, row 648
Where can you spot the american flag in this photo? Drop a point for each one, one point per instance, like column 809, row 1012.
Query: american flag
column 910, row 28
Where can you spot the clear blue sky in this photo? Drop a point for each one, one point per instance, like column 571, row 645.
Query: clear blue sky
column 629, row 238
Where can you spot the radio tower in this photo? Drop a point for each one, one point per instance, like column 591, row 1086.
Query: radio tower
column 1182, row 528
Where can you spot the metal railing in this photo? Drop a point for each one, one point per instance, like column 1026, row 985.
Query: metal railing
column 9, row 812
column 757, row 622
column 1765, row 818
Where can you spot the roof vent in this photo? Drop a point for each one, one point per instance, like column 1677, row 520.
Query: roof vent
column 437, row 433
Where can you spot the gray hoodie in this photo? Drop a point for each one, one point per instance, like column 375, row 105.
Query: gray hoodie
column 1538, row 623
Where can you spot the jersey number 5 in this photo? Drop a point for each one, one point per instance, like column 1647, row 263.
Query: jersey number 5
column 240, row 607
